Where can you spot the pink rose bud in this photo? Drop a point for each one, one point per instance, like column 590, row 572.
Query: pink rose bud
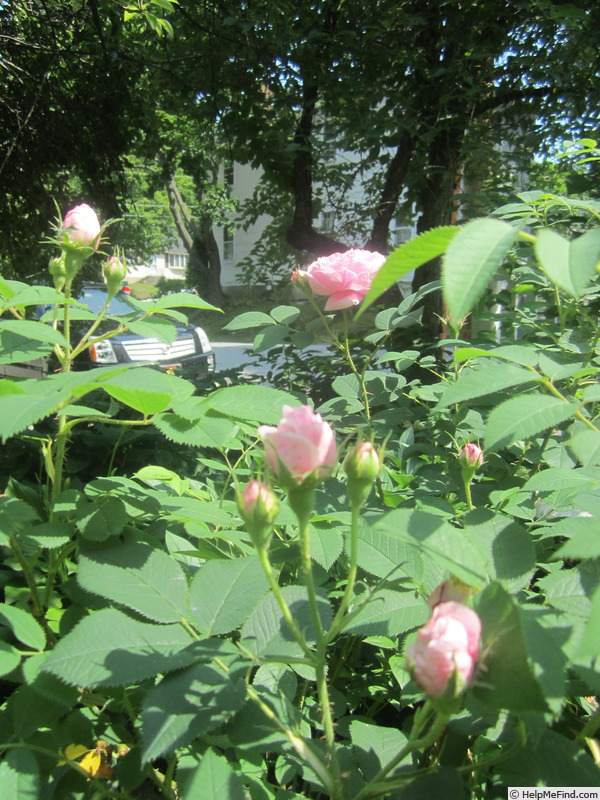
column 452, row 589
column 81, row 226
column 300, row 279
column 471, row 456
column 258, row 507
column 446, row 645
column 302, row 445
column 345, row 278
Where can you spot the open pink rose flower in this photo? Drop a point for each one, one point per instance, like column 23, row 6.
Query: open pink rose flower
column 345, row 278
column 82, row 226
column 302, row 443
column 448, row 642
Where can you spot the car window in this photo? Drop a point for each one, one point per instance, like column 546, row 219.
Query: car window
column 95, row 299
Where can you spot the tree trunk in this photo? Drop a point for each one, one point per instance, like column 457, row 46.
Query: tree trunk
column 438, row 201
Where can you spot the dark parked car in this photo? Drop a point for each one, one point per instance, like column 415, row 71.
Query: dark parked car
column 190, row 347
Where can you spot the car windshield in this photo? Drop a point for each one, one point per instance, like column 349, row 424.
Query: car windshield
column 119, row 305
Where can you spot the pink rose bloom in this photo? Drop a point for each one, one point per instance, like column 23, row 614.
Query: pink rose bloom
column 449, row 641
column 344, row 277
column 302, row 442
column 81, row 225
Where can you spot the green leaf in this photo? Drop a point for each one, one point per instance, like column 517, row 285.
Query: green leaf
column 266, row 633
column 569, row 265
column 589, row 646
column 24, row 626
column 471, row 260
column 50, row 534
column 285, row 315
column 102, row 519
column 326, row 544
column 158, row 328
column 253, row 403
column 18, row 411
column 212, row 778
column 137, row 576
column 409, row 256
column 250, row 319
column 389, row 613
column 480, row 382
column 146, row 390
column 444, row 782
column 205, row 431
column 223, row 593
column 571, row 589
column 188, row 703
column 526, row 355
column 524, row 417
column 15, row 349
column 31, row 329
column 19, row 775
column 584, row 541
column 180, row 300
column 549, row 480
column 108, row 648
column 373, row 746
column 269, row 337
column 10, row 658
column 585, row 446
column 346, row 386
column 504, row 678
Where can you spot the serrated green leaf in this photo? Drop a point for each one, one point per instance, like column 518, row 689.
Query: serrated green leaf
column 389, row 613
column 269, row 337
column 181, row 300
column 24, row 626
column 213, row 777
column 109, row 648
column 143, row 389
column 570, row 265
column 15, row 349
column 223, row 593
column 10, row 658
column 527, row 356
column 504, row 678
column 188, row 703
column 31, row 329
column 18, row 411
column 411, row 255
column 589, row 646
column 138, row 576
column 346, row 386
column 523, row 418
column 326, row 545
column 253, row 403
column 157, row 328
column 266, row 633
column 481, row 382
column 471, row 260
column 585, row 446
column 374, row 746
column 205, row 431
column 102, row 519
column 250, row 319
column 285, row 315
column 19, row 775
column 50, row 534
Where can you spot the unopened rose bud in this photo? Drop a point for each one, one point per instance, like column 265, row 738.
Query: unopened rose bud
column 114, row 272
column 300, row 279
column 442, row 659
column 471, row 456
column 81, row 226
column 362, row 466
column 258, row 507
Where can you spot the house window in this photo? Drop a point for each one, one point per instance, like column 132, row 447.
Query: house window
column 227, row 245
column 176, row 261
